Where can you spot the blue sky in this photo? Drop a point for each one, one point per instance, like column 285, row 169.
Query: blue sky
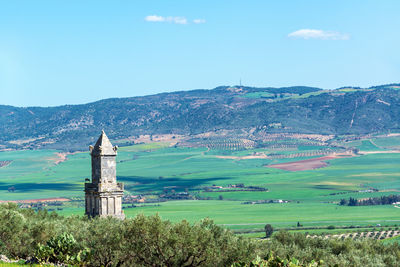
column 70, row 52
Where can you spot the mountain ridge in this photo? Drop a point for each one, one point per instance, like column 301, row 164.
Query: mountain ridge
column 298, row 109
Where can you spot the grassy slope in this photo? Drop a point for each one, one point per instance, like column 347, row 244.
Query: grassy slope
column 35, row 175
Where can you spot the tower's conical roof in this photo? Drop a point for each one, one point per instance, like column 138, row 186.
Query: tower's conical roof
column 103, row 146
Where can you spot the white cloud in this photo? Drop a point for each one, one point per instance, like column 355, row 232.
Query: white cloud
column 154, row 18
column 199, row 21
column 318, row 34
column 176, row 20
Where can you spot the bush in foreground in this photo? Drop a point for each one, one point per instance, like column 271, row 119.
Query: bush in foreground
column 141, row 241
column 331, row 252
column 144, row 241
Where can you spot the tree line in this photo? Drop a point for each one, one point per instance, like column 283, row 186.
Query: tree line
column 383, row 200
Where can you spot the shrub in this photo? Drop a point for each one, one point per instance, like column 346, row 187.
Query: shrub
column 144, row 241
column 268, row 230
column 106, row 239
column 273, row 261
column 365, row 252
column 161, row 243
column 62, row 249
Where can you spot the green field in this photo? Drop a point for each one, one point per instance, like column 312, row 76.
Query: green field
column 232, row 213
column 150, row 169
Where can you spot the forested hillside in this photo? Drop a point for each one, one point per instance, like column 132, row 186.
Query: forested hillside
column 299, row 109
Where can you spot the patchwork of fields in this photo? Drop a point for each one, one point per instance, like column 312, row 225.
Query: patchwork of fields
column 207, row 179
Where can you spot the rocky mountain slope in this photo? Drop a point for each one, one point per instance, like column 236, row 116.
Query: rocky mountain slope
column 289, row 109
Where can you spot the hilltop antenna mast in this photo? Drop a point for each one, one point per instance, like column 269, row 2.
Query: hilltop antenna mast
column 240, row 82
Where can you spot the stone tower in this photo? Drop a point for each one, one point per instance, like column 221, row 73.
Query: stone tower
column 103, row 196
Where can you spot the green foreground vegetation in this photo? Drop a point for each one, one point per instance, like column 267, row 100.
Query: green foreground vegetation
column 150, row 241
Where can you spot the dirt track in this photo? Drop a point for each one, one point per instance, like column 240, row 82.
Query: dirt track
column 5, row 163
column 37, row 200
column 303, row 165
column 261, row 156
column 61, row 157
